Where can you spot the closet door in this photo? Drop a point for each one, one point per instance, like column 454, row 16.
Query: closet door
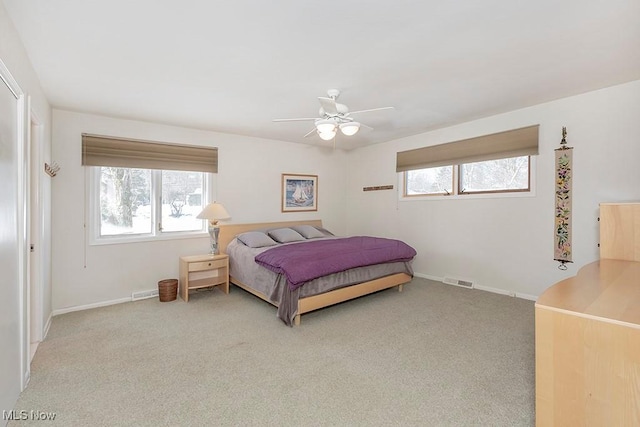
column 10, row 332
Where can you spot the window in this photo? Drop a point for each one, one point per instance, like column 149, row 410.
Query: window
column 125, row 201
column 142, row 190
column 495, row 163
column 491, row 176
column 182, row 201
column 437, row 180
column 142, row 204
column 503, row 175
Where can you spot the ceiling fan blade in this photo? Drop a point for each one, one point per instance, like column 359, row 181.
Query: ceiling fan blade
column 311, row 132
column 300, row 119
column 328, row 105
column 362, row 125
column 371, row 109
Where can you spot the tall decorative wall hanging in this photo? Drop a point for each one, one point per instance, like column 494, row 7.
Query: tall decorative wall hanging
column 564, row 175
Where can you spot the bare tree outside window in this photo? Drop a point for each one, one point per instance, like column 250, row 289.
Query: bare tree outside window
column 124, row 199
column 495, row 175
column 127, row 205
column 429, row 181
column 492, row 176
column 179, row 191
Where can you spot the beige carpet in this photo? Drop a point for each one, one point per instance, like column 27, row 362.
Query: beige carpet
column 433, row 355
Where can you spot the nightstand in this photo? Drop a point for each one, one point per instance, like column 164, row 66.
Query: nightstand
column 203, row 271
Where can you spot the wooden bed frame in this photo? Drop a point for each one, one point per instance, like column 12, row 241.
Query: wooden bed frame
column 307, row 304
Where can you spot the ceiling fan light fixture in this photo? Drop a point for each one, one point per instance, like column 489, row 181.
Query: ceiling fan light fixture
column 333, row 116
column 326, row 126
column 327, row 136
column 350, row 128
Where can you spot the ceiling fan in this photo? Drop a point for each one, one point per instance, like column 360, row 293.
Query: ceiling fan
column 334, row 116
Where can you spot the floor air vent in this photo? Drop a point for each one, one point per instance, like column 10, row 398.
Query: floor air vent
column 144, row 295
column 458, row 282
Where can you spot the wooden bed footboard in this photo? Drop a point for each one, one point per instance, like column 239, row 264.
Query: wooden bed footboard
column 305, row 305
column 315, row 302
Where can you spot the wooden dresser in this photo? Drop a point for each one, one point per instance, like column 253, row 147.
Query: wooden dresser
column 588, row 333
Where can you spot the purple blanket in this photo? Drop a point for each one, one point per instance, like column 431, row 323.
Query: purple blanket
column 308, row 260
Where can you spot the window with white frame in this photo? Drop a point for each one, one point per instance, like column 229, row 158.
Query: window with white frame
column 497, row 163
column 491, row 176
column 146, row 202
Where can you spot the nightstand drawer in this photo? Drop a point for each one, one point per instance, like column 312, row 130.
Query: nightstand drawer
column 207, row 265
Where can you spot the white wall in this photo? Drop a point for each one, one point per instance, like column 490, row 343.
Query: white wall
column 507, row 243
column 248, row 184
column 13, row 306
column 500, row 243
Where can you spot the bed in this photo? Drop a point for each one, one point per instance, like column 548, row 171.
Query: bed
column 274, row 287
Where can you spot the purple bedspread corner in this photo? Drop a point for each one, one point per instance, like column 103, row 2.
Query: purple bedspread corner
column 305, row 261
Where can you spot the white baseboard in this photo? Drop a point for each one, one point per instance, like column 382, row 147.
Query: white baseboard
column 27, row 378
column 47, row 326
column 421, row 275
column 428, row 276
column 495, row 290
column 89, row 306
column 526, row 296
column 483, row 288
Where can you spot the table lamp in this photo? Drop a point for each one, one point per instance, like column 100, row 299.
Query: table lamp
column 214, row 212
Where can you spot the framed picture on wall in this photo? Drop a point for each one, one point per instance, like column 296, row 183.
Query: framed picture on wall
column 299, row 192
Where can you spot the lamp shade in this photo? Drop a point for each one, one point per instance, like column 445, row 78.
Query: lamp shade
column 213, row 212
column 350, row 128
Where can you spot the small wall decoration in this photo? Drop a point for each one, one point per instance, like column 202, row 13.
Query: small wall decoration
column 51, row 169
column 299, row 193
column 378, row 188
column 564, row 175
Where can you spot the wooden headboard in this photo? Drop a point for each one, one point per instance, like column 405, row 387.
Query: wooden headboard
column 229, row 231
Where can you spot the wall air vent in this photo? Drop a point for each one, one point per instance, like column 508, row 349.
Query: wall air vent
column 457, row 282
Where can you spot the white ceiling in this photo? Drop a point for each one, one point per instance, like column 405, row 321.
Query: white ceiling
column 233, row 66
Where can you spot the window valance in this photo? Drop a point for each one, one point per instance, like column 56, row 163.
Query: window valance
column 502, row 145
column 132, row 153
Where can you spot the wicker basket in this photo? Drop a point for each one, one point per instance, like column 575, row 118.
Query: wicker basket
column 168, row 289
